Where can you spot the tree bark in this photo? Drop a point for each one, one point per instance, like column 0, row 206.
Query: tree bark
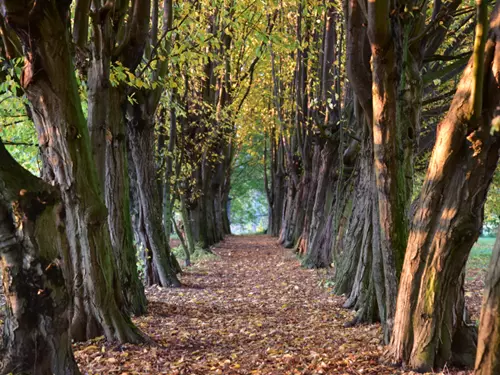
column 447, row 222
column 360, row 263
column 275, row 190
column 187, row 225
column 50, row 84
column 319, row 254
column 33, row 248
column 391, row 209
column 106, row 125
column 140, row 127
column 303, row 238
column 117, row 197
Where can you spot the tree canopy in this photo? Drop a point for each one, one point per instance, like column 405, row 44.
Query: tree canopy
column 362, row 135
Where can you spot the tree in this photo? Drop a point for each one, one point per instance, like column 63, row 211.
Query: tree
column 385, row 64
column 430, row 326
column 140, row 117
column 106, row 122
column 50, row 84
column 33, row 248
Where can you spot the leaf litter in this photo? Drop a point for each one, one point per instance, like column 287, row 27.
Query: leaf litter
column 249, row 310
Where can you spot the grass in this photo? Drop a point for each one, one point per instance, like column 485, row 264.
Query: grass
column 198, row 255
column 481, row 253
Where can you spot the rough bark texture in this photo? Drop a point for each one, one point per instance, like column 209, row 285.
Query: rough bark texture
column 391, row 210
column 117, row 196
column 141, row 141
column 33, row 248
column 359, row 263
column 447, row 223
column 275, row 189
column 315, row 257
column 304, row 230
column 108, row 134
column 50, row 84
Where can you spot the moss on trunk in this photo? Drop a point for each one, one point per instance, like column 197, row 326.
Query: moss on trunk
column 65, row 144
column 33, row 248
column 446, row 224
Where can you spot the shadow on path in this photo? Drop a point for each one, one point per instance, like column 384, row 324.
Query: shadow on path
column 249, row 310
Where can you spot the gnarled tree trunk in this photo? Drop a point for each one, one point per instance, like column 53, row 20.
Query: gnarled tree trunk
column 117, row 197
column 428, row 331
column 36, row 337
column 50, row 84
column 141, row 142
column 106, row 125
column 314, row 257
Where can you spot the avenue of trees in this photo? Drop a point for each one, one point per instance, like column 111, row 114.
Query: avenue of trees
column 372, row 128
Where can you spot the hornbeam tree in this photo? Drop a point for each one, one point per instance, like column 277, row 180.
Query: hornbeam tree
column 33, row 251
column 106, row 122
column 386, row 54
column 140, row 118
column 50, row 84
column 431, row 327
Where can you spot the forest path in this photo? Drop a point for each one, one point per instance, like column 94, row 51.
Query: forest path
column 249, row 310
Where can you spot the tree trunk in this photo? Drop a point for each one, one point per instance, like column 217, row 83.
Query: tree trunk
column 309, row 202
column 275, row 192
column 358, row 267
column 36, row 336
column 226, row 222
column 278, row 204
column 168, row 201
column 117, row 196
column 187, row 226
column 51, row 87
column 107, row 133
column 391, row 208
column 448, row 220
column 288, row 206
column 187, row 253
column 292, row 208
column 141, row 141
column 315, row 257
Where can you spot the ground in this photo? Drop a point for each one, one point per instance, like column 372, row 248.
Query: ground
column 250, row 309
column 477, row 267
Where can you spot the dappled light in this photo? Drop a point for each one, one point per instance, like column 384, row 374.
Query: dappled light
column 249, row 187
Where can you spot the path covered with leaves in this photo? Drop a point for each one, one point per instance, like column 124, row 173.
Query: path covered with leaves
column 250, row 309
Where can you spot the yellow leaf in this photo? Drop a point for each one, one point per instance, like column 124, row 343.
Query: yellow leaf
column 131, row 75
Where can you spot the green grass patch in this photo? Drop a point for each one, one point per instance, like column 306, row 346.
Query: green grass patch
column 481, row 253
column 198, row 255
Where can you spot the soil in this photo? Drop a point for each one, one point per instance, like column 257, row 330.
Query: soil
column 251, row 309
column 474, row 286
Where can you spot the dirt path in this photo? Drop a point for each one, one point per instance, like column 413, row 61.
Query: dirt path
column 250, row 310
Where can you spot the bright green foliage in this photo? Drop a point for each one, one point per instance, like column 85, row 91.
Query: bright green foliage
column 249, row 202
column 175, row 64
column 16, row 129
column 18, row 132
